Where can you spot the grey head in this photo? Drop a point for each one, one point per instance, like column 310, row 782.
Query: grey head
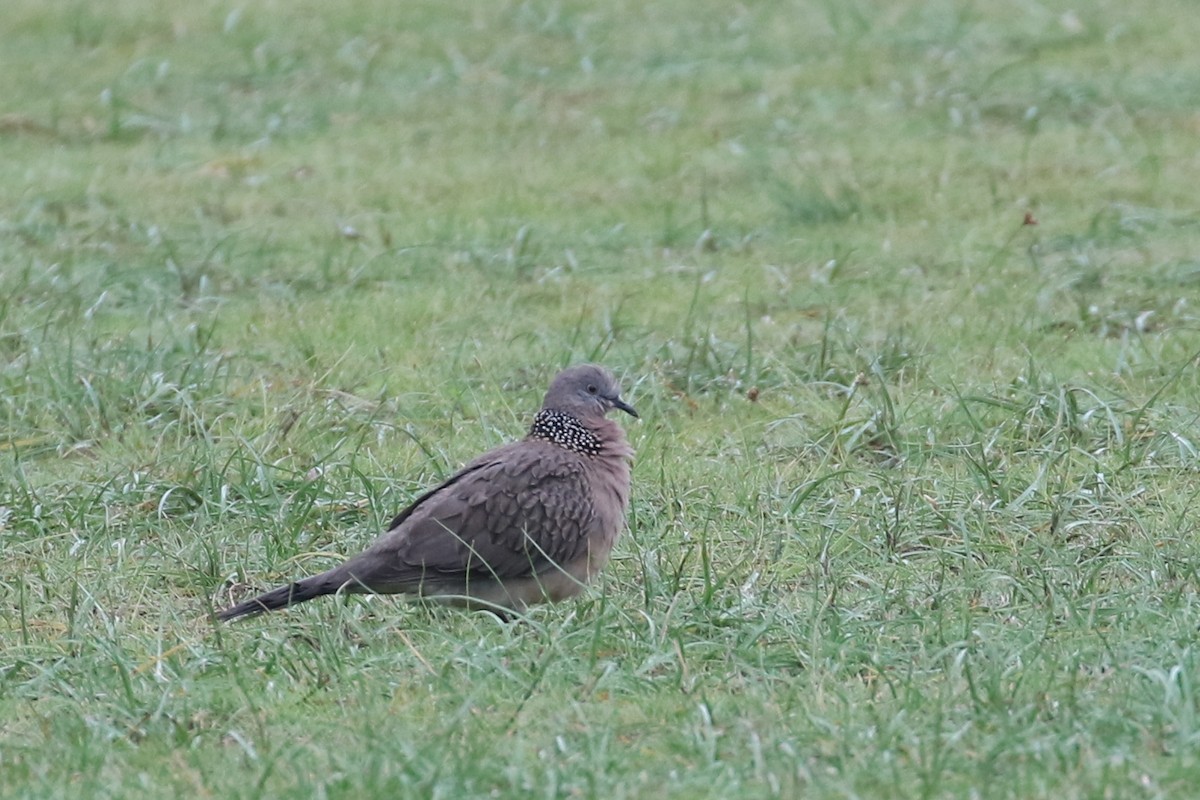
column 586, row 392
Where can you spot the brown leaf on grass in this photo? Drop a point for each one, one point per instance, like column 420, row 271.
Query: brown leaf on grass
column 23, row 124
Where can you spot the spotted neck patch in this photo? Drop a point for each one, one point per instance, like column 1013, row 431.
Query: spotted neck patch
column 565, row 431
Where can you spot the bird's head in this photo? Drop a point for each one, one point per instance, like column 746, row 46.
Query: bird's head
column 587, row 392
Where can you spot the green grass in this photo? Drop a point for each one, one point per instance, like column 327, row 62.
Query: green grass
column 915, row 495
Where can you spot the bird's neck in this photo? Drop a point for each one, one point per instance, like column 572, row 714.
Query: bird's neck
column 567, row 431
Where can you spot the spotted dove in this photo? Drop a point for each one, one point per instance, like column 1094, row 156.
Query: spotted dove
column 528, row 522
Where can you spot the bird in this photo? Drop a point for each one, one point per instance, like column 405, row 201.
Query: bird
column 531, row 521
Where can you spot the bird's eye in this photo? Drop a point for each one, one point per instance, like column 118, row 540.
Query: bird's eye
column 592, row 388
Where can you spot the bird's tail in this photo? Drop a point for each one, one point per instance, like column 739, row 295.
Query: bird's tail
column 289, row 595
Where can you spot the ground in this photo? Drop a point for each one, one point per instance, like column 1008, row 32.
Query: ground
column 906, row 294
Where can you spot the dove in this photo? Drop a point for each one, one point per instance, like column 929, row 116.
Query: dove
column 529, row 522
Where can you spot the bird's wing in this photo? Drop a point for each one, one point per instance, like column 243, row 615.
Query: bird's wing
column 513, row 513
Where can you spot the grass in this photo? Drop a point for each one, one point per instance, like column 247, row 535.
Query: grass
column 914, row 497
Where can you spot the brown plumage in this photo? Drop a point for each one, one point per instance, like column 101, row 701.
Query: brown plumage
column 528, row 522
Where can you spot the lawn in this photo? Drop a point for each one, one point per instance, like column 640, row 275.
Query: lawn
column 907, row 295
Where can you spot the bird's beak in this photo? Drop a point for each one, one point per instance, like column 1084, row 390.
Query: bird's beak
column 621, row 404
